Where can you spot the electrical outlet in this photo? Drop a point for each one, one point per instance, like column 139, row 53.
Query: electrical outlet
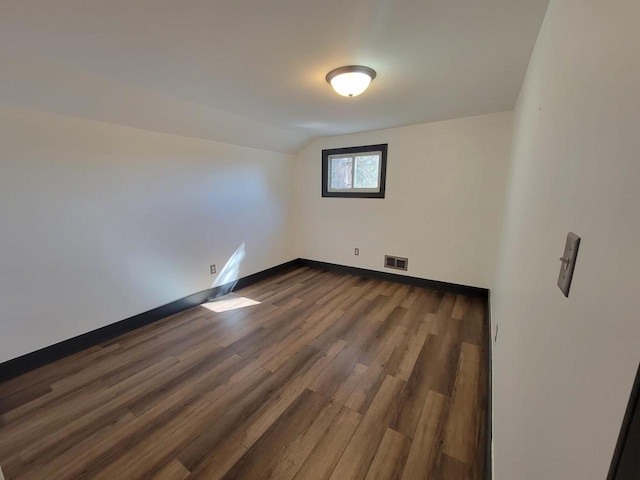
column 356, row 251
column 495, row 338
column 212, row 268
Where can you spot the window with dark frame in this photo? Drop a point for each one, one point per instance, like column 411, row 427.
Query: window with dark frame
column 354, row 172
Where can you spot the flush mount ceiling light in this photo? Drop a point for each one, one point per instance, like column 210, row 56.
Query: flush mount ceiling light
column 352, row 80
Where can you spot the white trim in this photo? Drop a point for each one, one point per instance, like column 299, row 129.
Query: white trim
column 1, row 475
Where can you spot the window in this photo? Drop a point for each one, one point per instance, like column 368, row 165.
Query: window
column 354, row 172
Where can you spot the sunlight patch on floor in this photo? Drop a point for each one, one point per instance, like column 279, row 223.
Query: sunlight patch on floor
column 229, row 302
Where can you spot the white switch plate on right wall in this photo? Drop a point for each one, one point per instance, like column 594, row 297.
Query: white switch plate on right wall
column 568, row 262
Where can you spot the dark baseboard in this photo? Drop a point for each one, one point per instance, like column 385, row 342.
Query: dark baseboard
column 403, row 279
column 17, row 366
column 263, row 275
column 488, row 345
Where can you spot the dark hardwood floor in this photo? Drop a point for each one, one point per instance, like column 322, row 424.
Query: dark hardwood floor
column 307, row 375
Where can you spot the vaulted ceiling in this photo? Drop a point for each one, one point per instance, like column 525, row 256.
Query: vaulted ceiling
column 251, row 72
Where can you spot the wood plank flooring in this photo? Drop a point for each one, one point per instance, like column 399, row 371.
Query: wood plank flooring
column 307, row 375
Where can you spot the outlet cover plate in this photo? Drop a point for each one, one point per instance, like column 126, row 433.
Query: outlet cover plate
column 568, row 262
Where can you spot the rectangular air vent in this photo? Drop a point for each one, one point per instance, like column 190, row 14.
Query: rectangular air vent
column 399, row 263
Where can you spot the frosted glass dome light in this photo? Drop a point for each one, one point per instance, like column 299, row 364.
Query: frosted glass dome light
column 352, row 80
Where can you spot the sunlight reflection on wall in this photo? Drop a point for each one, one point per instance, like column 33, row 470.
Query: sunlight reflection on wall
column 231, row 271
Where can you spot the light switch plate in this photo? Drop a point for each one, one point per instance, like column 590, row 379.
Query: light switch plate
column 568, row 262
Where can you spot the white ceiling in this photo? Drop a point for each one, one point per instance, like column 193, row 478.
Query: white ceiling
column 252, row 71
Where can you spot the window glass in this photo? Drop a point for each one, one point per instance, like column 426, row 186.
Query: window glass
column 354, row 172
column 367, row 171
column 341, row 173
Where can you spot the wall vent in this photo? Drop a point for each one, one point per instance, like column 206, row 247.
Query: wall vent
column 399, row 263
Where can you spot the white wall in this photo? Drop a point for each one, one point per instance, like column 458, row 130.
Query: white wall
column 444, row 195
column 563, row 368
column 102, row 222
